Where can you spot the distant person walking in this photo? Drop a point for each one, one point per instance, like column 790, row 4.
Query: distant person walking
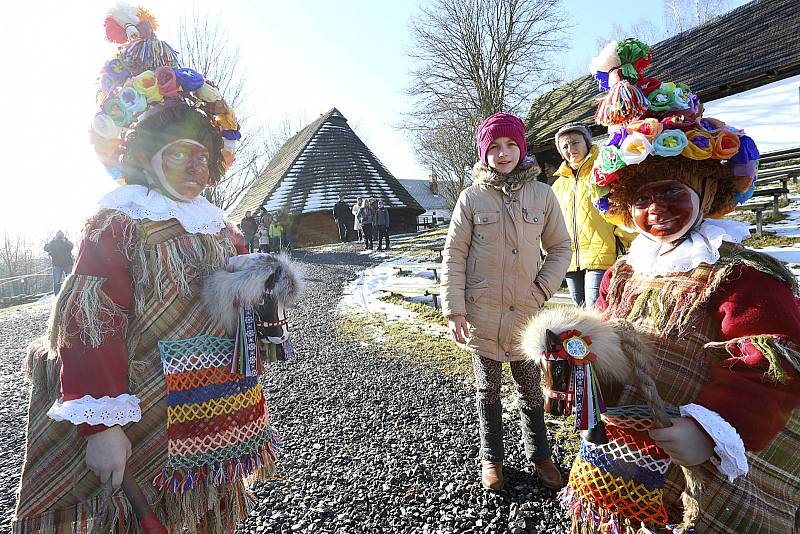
column 249, row 226
column 342, row 214
column 382, row 223
column 60, row 250
column 367, row 219
column 356, row 222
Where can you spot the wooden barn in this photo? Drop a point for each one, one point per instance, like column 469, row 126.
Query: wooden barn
column 306, row 175
column 747, row 59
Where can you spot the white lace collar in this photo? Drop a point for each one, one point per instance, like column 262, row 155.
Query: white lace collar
column 197, row 217
column 701, row 246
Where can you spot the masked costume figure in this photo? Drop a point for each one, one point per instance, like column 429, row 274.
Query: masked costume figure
column 134, row 351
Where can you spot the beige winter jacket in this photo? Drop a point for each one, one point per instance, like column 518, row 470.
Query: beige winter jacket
column 492, row 270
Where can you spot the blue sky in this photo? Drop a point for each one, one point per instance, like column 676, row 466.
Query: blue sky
column 301, row 58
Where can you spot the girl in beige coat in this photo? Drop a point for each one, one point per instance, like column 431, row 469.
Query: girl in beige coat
column 492, row 283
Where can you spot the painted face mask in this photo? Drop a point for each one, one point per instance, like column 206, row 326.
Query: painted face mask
column 664, row 211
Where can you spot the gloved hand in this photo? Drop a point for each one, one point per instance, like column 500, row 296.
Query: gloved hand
column 107, row 452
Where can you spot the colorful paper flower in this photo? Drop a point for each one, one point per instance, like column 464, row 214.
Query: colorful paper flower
column 233, row 135
column 611, row 159
column 208, row 93
column 190, row 79
column 681, row 120
column 745, row 195
column 167, row 82
column 726, row 145
column 650, row 128
column 132, row 100
column 635, row 148
column 748, row 151
column 648, row 85
column 147, row 84
column 662, row 99
column 634, row 56
column 617, row 137
column 670, row 143
column 117, row 71
column 605, row 60
column 114, row 109
column 700, row 145
column 230, row 144
column 681, row 99
column 105, row 127
column 602, row 204
column 712, row 126
column 601, row 179
column 107, row 83
column 227, row 121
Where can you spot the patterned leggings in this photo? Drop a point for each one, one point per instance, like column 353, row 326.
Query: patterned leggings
column 527, row 376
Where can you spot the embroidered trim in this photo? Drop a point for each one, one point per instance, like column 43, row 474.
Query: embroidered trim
column 729, row 445
column 701, row 246
column 197, row 217
column 109, row 411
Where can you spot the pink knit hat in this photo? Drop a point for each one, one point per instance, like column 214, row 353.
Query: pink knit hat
column 500, row 125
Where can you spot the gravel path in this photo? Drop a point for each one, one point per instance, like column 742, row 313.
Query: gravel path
column 372, row 444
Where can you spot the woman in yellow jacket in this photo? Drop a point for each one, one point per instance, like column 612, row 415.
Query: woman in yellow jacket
column 595, row 242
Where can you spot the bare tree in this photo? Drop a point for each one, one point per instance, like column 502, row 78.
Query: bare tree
column 208, row 48
column 682, row 15
column 16, row 255
column 474, row 58
column 642, row 29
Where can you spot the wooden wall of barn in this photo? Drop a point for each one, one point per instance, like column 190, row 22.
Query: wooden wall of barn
column 320, row 228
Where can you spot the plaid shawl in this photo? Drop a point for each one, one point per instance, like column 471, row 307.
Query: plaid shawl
column 671, row 312
column 190, row 483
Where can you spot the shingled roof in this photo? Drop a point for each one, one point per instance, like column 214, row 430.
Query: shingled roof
column 312, row 167
column 748, row 47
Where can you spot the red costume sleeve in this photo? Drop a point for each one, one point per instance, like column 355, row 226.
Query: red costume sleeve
column 103, row 370
column 238, row 240
column 749, row 306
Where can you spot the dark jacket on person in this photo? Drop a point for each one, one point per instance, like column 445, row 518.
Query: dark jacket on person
column 249, row 226
column 366, row 215
column 382, row 217
column 341, row 211
column 60, row 250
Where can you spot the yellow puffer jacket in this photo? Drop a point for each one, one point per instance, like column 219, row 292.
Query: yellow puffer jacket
column 594, row 240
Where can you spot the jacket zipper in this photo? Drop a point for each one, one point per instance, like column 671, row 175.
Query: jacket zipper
column 575, row 217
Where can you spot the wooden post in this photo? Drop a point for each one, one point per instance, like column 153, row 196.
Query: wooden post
column 759, row 221
column 776, row 210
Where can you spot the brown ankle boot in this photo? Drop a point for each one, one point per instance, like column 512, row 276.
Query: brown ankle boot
column 492, row 475
column 548, row 473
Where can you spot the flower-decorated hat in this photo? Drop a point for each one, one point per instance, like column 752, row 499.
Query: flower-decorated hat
column 145, row 83
column 658, row 132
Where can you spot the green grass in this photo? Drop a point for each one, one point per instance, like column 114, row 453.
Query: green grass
column 770, row 239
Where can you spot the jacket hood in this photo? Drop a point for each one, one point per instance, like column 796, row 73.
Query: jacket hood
column 525, row 171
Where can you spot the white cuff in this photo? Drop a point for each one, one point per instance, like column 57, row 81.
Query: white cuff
column 728, row 444
column 108, row 411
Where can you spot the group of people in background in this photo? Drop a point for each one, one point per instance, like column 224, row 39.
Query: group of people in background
column 265, row 232
column 369, row 218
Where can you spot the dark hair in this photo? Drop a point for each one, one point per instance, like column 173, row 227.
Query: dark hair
column 168, row 124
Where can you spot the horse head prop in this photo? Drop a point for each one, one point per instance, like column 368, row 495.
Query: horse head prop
column 580, row 354
column 249, row 298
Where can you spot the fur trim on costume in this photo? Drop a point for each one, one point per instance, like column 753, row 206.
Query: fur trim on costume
column 243, row 283
column 41, row 371
column 525, row 171
column 612, row 364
